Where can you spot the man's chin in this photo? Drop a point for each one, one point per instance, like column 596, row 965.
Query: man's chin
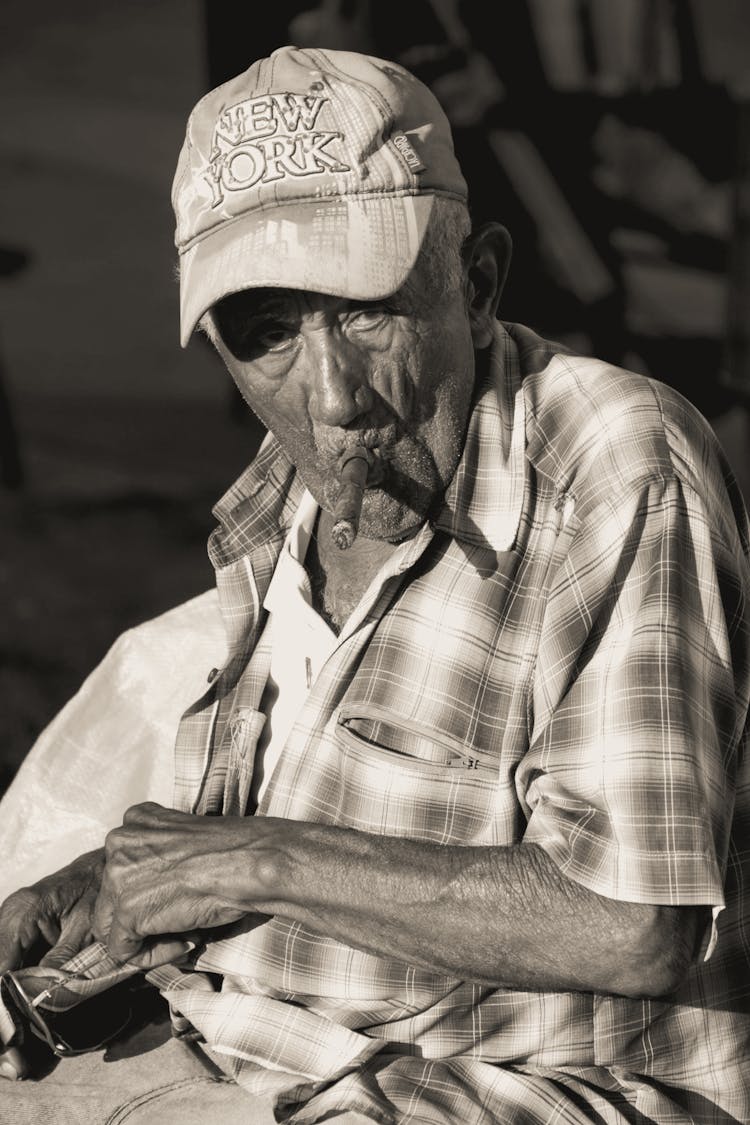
column 385, row 518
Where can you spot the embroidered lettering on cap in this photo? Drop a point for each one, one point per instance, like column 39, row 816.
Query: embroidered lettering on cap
column 404, row 146
column 268, row 138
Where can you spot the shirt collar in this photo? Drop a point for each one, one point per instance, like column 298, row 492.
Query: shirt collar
column 289, row 576
column 484, row 501
column 258, row 509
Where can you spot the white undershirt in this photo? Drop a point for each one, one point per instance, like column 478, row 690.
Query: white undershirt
column 300, row 642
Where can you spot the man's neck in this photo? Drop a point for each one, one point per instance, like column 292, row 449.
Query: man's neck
column 340, row 578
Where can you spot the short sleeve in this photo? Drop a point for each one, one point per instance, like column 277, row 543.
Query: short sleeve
column 639, row 700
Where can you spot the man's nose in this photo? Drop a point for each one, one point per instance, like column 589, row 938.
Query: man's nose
column 340, row 390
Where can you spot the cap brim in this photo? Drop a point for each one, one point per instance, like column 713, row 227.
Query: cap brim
column 360, row 247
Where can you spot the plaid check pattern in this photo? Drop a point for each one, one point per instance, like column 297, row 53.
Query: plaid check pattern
column 559, row 657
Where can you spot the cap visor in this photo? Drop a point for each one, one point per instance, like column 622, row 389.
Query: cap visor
column 361, row 248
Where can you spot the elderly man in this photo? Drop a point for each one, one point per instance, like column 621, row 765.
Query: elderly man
column 460, row 827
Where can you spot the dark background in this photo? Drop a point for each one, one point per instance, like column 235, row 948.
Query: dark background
column 611, row 138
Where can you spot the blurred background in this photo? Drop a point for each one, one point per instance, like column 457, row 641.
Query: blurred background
column 613, row 139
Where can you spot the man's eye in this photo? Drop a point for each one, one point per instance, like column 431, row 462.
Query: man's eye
column 364, row 320
column 250, row 340
column 273, row 336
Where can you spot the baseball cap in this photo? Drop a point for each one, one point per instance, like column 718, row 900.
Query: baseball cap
column 313, row 169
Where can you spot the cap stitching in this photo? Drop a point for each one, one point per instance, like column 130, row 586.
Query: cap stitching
column 360, row 82
column 269, row 62
column 279, row 204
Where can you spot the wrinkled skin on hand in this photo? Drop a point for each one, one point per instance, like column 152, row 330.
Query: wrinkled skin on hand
column 168, row 876
column 59, row 909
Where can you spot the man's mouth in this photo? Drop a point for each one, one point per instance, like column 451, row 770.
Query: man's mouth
column 377, row 463
column 377, row 440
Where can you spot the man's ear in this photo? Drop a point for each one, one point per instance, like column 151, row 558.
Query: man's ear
column 486, row 253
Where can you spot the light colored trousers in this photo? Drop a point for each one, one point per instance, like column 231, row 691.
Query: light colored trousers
column 149, row 1079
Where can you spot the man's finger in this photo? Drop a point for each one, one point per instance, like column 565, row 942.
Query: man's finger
column 121, row 942
column 103, row 911
column 145, row 812
column 10, row 953
column 75, row 935
column 56, row 957
column 19, row 930
column 164, row 951
column 12, row 1064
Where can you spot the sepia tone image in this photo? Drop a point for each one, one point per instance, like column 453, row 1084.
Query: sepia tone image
column 375, row 659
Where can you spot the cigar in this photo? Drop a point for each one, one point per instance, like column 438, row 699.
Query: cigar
column 354, row 468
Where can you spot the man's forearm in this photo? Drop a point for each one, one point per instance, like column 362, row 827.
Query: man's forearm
column 498, row 915
column 503, row 916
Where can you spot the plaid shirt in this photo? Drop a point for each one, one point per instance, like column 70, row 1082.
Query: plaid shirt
column 560, row 657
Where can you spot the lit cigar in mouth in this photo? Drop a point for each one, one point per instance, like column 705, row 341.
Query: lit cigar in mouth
column 355, row 465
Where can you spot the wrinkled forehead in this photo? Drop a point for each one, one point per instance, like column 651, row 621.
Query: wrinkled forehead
column 247, row 303
column 253, row 302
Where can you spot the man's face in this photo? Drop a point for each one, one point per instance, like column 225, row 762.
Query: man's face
column 326, row 373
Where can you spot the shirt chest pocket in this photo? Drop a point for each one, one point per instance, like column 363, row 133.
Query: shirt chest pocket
column 245, row 729
column 408, row 780
column 366, row 729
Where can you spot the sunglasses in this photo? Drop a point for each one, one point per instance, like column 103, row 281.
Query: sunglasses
column 86, row 1027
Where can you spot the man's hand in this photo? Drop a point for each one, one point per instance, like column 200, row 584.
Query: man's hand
column 59, row 909
column 170, row 874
